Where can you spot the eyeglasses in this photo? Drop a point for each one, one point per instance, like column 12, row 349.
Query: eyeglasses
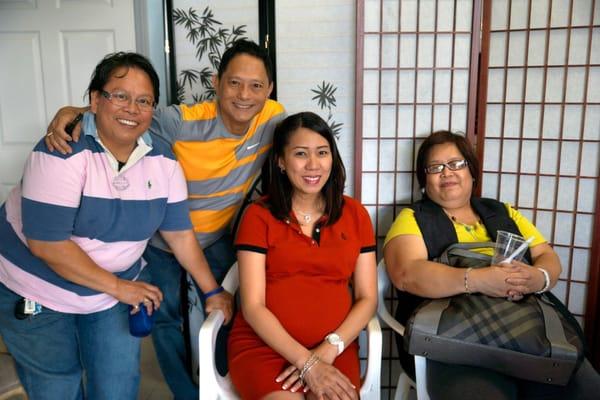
column 122, row 99
column 453, row 165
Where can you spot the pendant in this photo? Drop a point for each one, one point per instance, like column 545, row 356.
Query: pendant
column 120, row 183
column 307, row 218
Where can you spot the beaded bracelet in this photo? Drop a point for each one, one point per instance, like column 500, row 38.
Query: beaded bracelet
column 213, row 292
column 466, row 280
column 312, row 360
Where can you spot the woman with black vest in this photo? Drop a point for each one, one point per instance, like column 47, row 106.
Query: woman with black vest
column 447, row 172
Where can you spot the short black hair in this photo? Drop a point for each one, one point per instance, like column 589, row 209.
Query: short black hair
column 442, row 137
column 244, row 46
column 279, row 187
column 113, row 61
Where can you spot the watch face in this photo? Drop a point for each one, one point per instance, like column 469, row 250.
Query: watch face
column 333, row 338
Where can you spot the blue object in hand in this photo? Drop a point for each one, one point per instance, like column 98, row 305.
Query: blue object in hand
column 140, row 323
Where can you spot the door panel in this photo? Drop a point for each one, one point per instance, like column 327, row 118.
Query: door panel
column 49, row 49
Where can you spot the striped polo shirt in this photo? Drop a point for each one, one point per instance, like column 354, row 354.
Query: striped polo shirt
column 219, row 166
column 82, row 196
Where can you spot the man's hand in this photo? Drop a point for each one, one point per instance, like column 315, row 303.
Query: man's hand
column 136, row 292
column 222, row 301
column 56, row 137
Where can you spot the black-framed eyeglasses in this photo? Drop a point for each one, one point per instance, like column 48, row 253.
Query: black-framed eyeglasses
column 122, row 99
column 453, row 165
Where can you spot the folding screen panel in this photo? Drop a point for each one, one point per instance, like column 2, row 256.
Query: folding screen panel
column 534, row 114
column 542, row 125
column 413, row 68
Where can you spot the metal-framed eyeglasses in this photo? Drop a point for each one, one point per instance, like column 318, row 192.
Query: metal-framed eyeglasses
column 453, row 165
column 122, row 99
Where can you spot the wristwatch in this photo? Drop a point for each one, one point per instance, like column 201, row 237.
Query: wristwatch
column 336, row 340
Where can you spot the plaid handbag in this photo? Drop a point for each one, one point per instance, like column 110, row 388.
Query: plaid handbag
column 535, row 338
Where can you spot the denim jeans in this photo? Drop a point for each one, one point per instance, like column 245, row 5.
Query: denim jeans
column 164, row 271
column 54, row 350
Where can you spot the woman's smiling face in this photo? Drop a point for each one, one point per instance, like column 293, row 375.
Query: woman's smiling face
column 307, row 161
column 448, row 188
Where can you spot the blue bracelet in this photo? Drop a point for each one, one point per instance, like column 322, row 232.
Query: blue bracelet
column 212, row 293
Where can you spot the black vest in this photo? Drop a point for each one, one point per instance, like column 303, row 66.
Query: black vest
column 439, row 233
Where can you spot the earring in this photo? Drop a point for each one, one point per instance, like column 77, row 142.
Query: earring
column 422, row 190
column 282, row 170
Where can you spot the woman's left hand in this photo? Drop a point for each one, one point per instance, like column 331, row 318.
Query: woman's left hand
column 290, row 378
column 222, row 301
column 524, row 279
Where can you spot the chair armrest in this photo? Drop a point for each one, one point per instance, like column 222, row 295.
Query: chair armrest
column 371, row 386
column 389, row 320
column 383, row 283
column 212, row 385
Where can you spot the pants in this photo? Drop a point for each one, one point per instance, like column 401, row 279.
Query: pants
column 54, row 351
column 447, row 381
column 164, row 271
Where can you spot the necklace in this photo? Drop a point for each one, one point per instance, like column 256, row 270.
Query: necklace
column 307, row 217
column 469, row 228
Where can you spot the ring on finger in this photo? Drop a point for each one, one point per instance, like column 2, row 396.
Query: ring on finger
column 49, row 134
column 136, row 307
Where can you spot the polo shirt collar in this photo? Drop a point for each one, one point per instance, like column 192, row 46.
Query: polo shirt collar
column 144, row 144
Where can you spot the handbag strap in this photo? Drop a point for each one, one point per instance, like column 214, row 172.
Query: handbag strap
column 429, row 316
column 559, row 346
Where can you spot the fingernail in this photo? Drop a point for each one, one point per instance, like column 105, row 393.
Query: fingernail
column 284, row 387
column 277, row 380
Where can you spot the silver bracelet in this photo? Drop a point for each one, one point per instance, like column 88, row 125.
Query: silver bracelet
column 546, row 281
column 312, row 360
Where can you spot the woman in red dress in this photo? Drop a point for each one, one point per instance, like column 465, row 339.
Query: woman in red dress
column 306, row 256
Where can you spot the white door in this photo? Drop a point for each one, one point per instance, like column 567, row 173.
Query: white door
column 48, row 49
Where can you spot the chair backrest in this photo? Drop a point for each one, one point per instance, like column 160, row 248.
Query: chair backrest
column 404, row 382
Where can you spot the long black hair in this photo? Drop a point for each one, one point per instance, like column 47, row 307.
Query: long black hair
column 279, row 187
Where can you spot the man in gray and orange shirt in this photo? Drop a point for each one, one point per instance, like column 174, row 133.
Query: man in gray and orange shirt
column 221, row 146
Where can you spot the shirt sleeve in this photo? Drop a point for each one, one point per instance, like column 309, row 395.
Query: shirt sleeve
column 526, row 228
column 166, row 123
column 52, row 187
column 177, row 215
column 253, row 230
column 367, row 234
column 405, row 224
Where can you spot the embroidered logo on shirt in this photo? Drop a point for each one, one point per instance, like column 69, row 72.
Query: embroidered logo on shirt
column 120, row 183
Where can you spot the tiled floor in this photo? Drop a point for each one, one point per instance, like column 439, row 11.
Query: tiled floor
column 152, row 385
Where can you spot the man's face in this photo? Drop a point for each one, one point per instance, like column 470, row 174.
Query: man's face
column 242, row 92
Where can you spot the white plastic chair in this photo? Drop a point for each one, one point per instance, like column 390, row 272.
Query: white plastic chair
column 213, row 386
column 404, row 381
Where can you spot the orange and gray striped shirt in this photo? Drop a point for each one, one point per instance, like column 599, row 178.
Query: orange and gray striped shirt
column 219, row 166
